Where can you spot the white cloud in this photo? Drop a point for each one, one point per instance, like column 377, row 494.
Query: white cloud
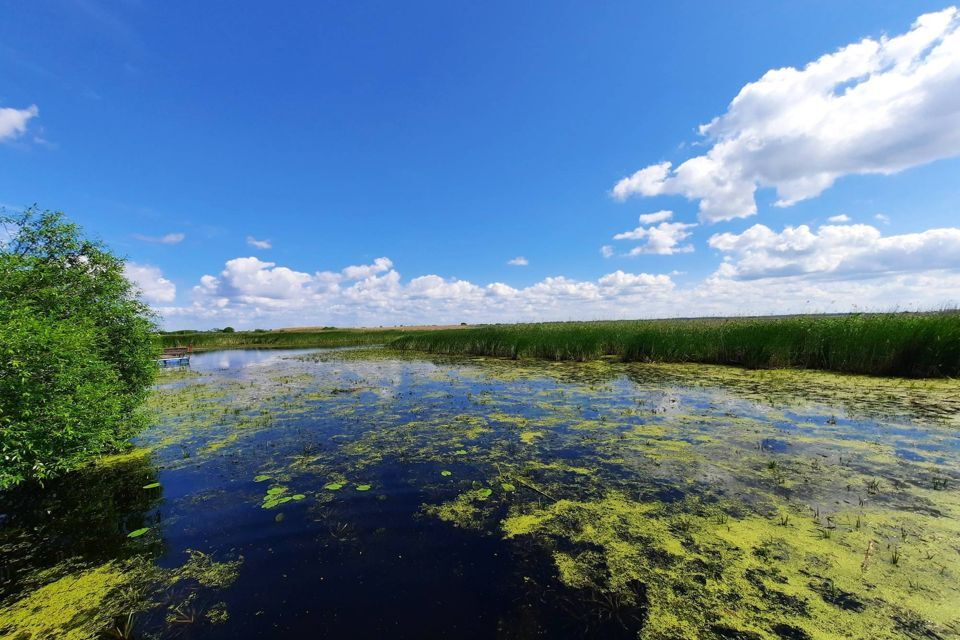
column 654, row 218
column 357, row 272
column 839, row 219
column 250, row 291
column 170, row 238
column 850, row 252
column 259, row 244
column 881, row 218
column 662, row 239
column 606, row 251
column 831, row 268
column 153, row 286
column 877, row 106
column 13, row 122
column 519, row 261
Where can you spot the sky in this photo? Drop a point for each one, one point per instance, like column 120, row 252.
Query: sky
column 386, row 163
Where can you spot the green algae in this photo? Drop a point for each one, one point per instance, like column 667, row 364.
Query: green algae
column 702, row 573
column 467, row 510
column 744, row 502
column 79, row 606
column 78, row 602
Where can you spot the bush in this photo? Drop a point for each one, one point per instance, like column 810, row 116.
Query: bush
column 76, row 353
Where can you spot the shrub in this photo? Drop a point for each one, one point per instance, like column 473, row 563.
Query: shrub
column 76, row 353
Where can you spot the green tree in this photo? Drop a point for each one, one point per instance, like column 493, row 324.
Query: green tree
column 76, row 348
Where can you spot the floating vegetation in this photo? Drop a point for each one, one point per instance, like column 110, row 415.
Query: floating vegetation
column 84, row 603
column 278, row 495
column 136, row 533
column 599, row 498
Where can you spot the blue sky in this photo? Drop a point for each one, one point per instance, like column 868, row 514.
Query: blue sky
column 451, row 138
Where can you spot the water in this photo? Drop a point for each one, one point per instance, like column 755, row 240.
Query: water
column 407, row 497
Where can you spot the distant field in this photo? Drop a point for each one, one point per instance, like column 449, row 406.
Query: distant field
column 280, row 339
column 889, row 344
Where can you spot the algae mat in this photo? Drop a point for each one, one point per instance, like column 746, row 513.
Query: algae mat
column 366, row 493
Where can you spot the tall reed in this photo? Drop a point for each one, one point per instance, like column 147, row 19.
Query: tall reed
column 903, row 344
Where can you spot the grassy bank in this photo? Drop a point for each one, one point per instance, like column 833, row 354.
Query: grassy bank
column 903, row 344
column 203, row 341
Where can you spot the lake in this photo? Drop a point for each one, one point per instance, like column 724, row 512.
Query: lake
column 365, row 493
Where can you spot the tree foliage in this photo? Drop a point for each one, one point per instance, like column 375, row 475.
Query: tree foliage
column 76, row 348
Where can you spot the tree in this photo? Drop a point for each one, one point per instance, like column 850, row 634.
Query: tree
column 77, row 355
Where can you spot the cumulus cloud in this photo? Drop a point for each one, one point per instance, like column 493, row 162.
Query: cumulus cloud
column 839, row 219
column 662, row 239
column 13, row 122
column 654, row 218
column 154, row 288
column 357, row 272
column 833, row 268
column 259, row 244
column 852, row 252
column 170, row 238
column 877, row 106
column 519, row 261
column 249, row 290
column 606, row 251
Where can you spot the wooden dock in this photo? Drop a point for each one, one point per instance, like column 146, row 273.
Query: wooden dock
column 175, row 357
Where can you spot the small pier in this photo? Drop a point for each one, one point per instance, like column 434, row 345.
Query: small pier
column 175, row 357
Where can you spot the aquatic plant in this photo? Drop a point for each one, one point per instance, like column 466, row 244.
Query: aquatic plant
column 901, row 344
column 85, row 603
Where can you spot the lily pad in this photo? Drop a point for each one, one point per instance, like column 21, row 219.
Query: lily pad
column 152, row 485
column 486, row 492
column 446, row 473
column 363, row 487
column 508, row 487
column 136, row 533
column 297, row 496
column 333, row 486
column 261, row 478
column 460, row 452
column 273, row 491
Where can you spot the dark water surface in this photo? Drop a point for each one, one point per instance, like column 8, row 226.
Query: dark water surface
column 376, row 495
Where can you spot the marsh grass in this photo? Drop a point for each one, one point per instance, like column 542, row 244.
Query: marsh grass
column 901, row 344
column 203, row 341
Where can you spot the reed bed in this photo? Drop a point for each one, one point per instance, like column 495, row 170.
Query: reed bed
column 886, row 344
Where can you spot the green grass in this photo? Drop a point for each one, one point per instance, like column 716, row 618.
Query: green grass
column 279, row 339
column 889, row 344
